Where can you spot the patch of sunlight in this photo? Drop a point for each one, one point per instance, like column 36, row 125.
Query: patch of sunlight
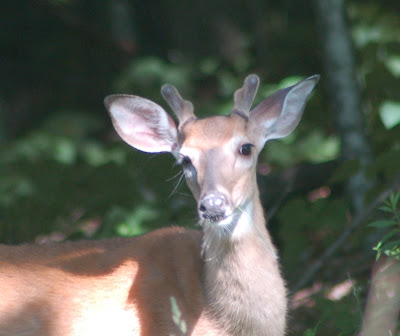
column 392, row 63
column 314, row 147
column 134, row 221
column 267, row 89
column 363, row 35
column 339, row 291
column 65, row 151
column 389, row 111
column 317, row 147
column 177, row 316
column 289, row 81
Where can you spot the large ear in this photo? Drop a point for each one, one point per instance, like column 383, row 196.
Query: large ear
column 142, row 123
column 279, row 114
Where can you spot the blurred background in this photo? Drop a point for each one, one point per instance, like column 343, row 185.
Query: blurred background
column 65, row 174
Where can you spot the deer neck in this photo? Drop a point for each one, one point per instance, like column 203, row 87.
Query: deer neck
column 243, row 286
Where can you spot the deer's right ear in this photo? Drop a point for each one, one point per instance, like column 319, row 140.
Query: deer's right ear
column 142, row 124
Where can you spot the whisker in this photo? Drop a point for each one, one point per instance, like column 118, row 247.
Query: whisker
column 174, row 177
column 185, row 194
column 178, row 184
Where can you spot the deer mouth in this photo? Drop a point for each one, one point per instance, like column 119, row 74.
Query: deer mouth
column 215, row 217
column 220, row 219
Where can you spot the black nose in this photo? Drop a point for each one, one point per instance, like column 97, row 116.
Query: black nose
column 213, row 207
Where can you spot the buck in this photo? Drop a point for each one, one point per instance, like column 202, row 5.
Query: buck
column 224, row 280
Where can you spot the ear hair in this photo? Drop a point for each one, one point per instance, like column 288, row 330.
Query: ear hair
column 278, row 115
column 142, row 123
column 183, row 109
column 244, row 96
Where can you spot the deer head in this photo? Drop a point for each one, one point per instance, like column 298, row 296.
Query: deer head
column 218, row 154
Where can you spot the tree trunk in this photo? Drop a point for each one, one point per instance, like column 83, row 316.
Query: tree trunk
column 344, row 93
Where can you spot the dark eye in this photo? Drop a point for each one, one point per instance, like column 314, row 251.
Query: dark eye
column 185, row 161
column 246, row 149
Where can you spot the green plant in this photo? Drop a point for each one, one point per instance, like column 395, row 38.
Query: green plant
column 390, row 243
column 177, row 316
column 312, row 331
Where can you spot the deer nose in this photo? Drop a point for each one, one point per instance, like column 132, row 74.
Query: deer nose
column 213, row 207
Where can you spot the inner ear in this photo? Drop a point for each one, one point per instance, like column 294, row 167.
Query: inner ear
column 278, row 115
column 142, row 123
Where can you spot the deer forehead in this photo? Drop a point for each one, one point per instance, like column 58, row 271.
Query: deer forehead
column 214, row 132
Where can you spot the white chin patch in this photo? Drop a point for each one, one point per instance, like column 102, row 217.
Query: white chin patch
column 237, row 224
column 243, row 221
column 228, row 220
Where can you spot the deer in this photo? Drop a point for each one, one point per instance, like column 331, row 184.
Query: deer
column 224, row 279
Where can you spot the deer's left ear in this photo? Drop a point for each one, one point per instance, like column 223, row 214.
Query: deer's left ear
column 278, row 115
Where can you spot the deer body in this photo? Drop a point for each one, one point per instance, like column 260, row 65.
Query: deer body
column 222, row 281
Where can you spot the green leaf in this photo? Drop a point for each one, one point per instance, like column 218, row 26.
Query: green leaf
column 386, row 208
column 392, row 249
column 393, row 245
column 394, row 198
column 177, row 316
column 312, row 331
column 382, row 223
column 388, row 236
column 378, row 250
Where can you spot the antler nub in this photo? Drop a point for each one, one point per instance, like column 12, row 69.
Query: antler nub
column 244, row 96
column 183, row 109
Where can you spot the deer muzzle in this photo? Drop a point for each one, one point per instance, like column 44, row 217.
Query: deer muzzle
column 214, row 207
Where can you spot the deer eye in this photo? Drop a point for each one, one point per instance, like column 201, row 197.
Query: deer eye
column 187, row 165
column 246, row 149
column 185, row 161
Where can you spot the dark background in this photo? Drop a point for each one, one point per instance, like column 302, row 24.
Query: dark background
column 65, row 174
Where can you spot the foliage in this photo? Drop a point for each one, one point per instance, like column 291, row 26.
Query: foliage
column 390, row 243
column 177, row 316
column 311, row 331
column 146, row 74
column 61, row 177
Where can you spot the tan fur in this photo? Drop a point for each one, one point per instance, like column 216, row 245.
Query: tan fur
column 119, row 286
